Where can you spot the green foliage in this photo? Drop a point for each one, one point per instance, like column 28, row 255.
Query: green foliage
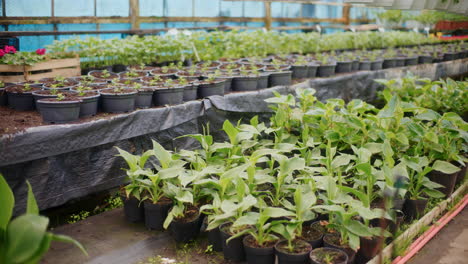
column 25, row 239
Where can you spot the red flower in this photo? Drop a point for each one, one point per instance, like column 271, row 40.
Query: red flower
column 2, row 53
column 10, row 49
column 40, row 51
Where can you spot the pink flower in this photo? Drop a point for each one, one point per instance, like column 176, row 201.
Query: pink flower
column 2, row 53
column 10, row 49
column 40, row 51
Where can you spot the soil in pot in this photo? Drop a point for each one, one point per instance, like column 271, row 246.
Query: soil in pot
column 66, row 84
column 132, row 74
column 446, row 180
column 168, row 96
column 89, row 103
column 163, row 72
column 334, row 241
column 133, row 210
column 210, row 88
column 43, row 94
column 256, row 254
column 104, row 75
column 20, row 97
column 343, row 66
column 299, row 255
column 60, row 111
column 244, row 83
column 328, row 255
column 156, row 213
column 299, row 71
column 234, row 249
column 279, row 78
column 414, row 209
column 118, row 100
column 144, row 98
column 312, row 70
column 187, row 228
column 313, row 234
column 326, row 70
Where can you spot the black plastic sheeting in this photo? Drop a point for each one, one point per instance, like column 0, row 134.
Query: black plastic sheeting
column 64, row 162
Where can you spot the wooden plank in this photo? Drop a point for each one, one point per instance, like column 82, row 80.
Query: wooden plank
column 268, row 16
column 134, row 14
column 11, row 68
column 15, row 78
column 52, row 64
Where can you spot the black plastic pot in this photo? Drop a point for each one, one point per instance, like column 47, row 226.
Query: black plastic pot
column 326, row 70
column 183, row 232
column 369, row 247
column 395, row 225
column 448, row 56
column 423, row 59
column 65, row 88
column 461, row 174
column 3, row 97
column 234, row 250
column 134, row 212
column 119, row 68
column 279, row 78
column 244, row 83
column 350, row 252
column 168, row 96
column 21, row 101
column 89, row 105
column 227, row 83
column 144, row 98
column 59, row 111
column 262, row 81
column 340, row 256
column 215, row 240
column 355, row 65
column 312, row 72
column 343, row 66
column 377, row 65
column 398, row 204
column 414, row 209
column 255, row 255
column 388, row 63
column 411, row 61
column 292, row 258
column 446, row 180
column 317, row 242
column 210, row 89
column 118, row 103
column 299, row 71
column 400, row 62
column 365, row 66
column 190, row 93
column 37, row 96
column 155, row 214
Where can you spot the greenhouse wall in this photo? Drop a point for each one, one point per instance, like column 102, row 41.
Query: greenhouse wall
column 159, row 8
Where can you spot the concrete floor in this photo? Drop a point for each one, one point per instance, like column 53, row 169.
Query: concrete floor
column 449, row 246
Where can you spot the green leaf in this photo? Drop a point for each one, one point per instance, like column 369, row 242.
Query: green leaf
column 162, row 154
column 445, row 167
column 358, row 228
column 24, row 237
column 7, row 202
column 250, row 218
column 67, row 239
column 32, row 204
column 274, row 212
column 434, row 193
column 43, row 248
column 231, row 131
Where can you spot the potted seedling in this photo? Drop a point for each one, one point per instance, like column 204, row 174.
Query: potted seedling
column 118, row 99
column 389, row 57
column 164, row 71
column 60, row 109
column 89, row 100
column 326, row 66
column 208, row 65
column 142, row 67
column 132, row 193
column 227, row 76
column 190, row 89
column 20, row 96
column 211, row 86
column 132, row 74
column 144, row 96
column 191, row 73
column 292, row 249
column 103, row 75
column 59, row 83
column 299, row 68
column 343, row 64
column 280, row 74
column 50, row 93
column 326, row 255
column 170, row 93
column 245, row 81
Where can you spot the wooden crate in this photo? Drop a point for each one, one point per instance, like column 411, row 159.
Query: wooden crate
column 61, row 67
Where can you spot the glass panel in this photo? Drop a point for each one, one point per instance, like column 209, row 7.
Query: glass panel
column 151, row 8
column 179, row 8
column 254, row 9
column 74, row 8
column 308, row 10
column 112, row 8
column 231, row 9
column 180, row 24
column 73, row 27
column 151, row 25
column 291, row 10
column 31, row 43
column 207, row 8
column 276, row 9
column 23, row 7
column 117, row 26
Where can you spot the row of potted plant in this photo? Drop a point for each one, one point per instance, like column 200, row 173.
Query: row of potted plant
column 318, row 175
column 207, row 46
